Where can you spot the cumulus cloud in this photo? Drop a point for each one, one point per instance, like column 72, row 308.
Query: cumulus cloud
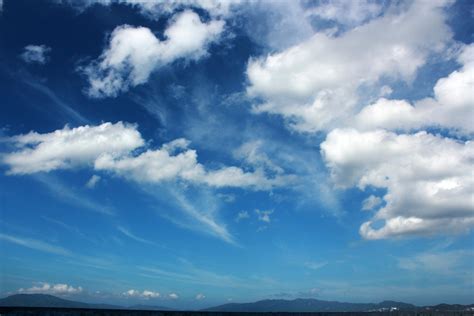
column 200, row 297
column 428, row 178
column 175, row 161
column 264, row 216
column 145, row 294
column 110, row 147
column 173, row 296
column 36, row 54
column 68, row 148
column 314, row 84
column 57, row 289
column 135, row 52
column 452, row 106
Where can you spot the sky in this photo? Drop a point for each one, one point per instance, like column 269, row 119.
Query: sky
column 194, row 153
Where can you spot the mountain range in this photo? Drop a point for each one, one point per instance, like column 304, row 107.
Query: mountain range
column 272, row 305
column 46, row 300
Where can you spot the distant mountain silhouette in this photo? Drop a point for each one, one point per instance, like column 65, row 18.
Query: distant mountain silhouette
column 308, row 305
column 314, row 305
column 40, row 300
column 277, row 305
column 46, row 300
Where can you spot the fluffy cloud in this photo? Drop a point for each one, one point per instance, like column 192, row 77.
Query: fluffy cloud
column 175, row 161
column 57, row 289
column 200, row 297
column 135, row 52
column 35, row 54
column 428, row 178
column 146, row 294
column 173, row 296
column 314, row 84
column 109, row 147
column 68, row 148
column 452, row 106
column 264, row 216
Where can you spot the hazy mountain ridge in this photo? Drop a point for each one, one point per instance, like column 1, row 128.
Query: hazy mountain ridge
column 314, row 305
column 46, row 300
column 271, row 305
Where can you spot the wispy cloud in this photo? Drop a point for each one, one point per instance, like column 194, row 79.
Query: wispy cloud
column 315, row 265
column 129, row 234
column 93, row 181
column 68, row 195
column 36, row 245
column 56, row 100
column 439, row 262
column 241, row 216
column 36, row 54
column 188, row 273
column 199, row 215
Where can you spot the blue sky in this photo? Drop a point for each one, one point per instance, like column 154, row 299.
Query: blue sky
column 194, row 153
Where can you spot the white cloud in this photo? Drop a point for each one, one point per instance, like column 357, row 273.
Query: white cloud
column 428, row 178
column 452, row 106
column 347, row 12
column 173, row 296
column 36, row 54
column 135, row 52
column 200, row 297
column 158, row 8
column 145, row 294
column 264, row 216
column 68, row 148
column 35, row 244
column 251, row 152
column 445, row 262
column 175, row 161
column 315, row 265
column 109, row 147
column 371, row 203
column 242, row 215
column 57, row 289
column 129, row 234
column 92, row 182
column 64, row 192
column 313, row 85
